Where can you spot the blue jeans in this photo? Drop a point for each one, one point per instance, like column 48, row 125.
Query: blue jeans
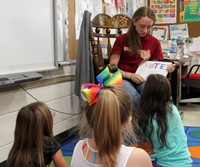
column 134, row 90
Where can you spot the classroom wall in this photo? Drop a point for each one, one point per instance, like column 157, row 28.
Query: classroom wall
column 193, row 27
column 73, row 43
column 56, row 90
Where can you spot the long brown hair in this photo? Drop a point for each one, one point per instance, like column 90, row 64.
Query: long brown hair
column 33, row 122
column 133, row 37
column 155, row 101
column 111, row 111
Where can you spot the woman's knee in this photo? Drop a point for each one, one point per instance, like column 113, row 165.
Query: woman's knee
column 134, row 93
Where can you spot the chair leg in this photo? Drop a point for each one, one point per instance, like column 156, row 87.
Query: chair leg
column 189, row 95
column 184, row 92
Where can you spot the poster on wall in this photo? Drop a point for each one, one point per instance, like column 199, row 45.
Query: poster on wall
column 93, row 6
column 165, row 11
column 189, row 11
column 160, row 32
column 178, row 30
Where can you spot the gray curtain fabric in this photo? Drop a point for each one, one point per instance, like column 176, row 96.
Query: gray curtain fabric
column 84, row 63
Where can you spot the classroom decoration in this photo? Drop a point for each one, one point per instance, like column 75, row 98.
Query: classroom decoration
column 89, row 91
column 165, row 11
column 190, row 11
column 93, row 6
column 178, row 30
column 160, row 32
column 193, row 26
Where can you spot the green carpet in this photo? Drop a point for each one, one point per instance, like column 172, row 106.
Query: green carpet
column 67, row 159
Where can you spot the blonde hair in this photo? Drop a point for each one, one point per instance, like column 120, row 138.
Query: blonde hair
column 34, row 121
column 111, row 111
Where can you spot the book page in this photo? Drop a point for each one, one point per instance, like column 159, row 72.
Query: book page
column 152, row 67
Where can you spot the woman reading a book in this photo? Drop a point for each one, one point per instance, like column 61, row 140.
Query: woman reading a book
column 135, row 47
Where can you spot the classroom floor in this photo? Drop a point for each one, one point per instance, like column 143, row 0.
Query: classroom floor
column 191, row 120
column 191, row 114
column 190, row 117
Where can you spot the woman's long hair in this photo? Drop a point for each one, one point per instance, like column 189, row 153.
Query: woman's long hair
column 34, row 121
column 133, row 37
column 155, row 100
column 106, row 117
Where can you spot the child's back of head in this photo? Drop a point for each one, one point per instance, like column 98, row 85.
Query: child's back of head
column 107, row 119
column 33, row 122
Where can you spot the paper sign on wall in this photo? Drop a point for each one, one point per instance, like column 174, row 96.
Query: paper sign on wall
column 152, row 67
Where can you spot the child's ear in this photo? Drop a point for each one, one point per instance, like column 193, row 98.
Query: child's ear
column 133, row 21
column 126, row 124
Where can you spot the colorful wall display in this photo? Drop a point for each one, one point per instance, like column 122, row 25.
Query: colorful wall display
column 165, row 10
column 189, row 10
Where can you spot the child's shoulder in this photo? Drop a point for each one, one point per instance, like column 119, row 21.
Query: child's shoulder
column 174, row 109
column 48, row 139
column 139, row 157
column 174, row 114
column 81, row 142
column 50, row 142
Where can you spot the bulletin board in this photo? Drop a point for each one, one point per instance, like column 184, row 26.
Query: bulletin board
column 193, row 27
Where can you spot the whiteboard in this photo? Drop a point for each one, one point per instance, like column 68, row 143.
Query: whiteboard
column 27, row 36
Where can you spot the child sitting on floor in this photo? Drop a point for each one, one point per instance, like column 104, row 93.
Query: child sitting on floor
column 108, row 115
column 160, row 122
column 34, row 144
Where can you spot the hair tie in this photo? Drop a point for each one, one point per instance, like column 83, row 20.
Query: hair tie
column 90, row 91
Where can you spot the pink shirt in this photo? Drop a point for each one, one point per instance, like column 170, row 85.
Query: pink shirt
column 129, row 62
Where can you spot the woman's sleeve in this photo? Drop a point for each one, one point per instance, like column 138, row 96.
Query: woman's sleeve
column 117, row 47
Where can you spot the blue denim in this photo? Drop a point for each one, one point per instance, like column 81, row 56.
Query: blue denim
column 134, row 90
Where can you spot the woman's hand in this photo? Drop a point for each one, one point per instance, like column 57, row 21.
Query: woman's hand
column 137, row 78
column 171, row 68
